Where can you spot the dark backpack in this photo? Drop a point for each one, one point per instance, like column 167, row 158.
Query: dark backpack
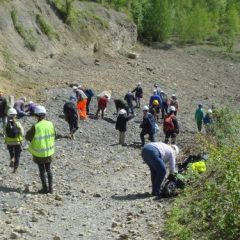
column 12, row 130
column 168, row 124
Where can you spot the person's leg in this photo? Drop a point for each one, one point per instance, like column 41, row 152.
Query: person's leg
column 50, row 177
column 17, row 152
column 98, row 110
column 142, row 134
column 167, row 137
column 102, row 113
column 152, row 137
column 120, row 137
column 42, row 174
column 11, row 153
column 88, row 103
column 173, row 138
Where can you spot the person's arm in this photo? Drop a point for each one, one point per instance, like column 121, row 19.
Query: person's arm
column 176, row 125
column 30, row 134
column 134, row 90
column 172, row 163
column 21, row 129
column 129, row 117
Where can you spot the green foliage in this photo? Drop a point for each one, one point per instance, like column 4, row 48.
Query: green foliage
column 193, row 21
column 210, row 206
column 46, row 28
column 27, row 36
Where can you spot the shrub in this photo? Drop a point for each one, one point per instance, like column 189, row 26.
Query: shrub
column 27, row 36
column 46, row 28
column 210, row 206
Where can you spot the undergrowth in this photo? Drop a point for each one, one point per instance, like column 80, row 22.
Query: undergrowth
column 46, row 28
column 26, row 35
column 209, row 209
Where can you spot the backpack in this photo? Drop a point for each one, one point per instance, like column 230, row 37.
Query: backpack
column 12, row 130
column 168, row 124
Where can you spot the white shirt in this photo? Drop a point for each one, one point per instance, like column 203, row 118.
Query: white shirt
column 167, row 154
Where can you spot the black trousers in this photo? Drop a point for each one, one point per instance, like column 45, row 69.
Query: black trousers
column 43, row 169
column 73, row 124
column 14, row 152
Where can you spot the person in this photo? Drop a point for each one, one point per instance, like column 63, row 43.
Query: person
column 13, row 138
column 121, row 125
column 102, row 104
column 138, row 94
column 71, row 115
column 120, row 104
column 42, row 147
column 89, row 93
column 208, row 121
column 3, row 109
column 31, row 108
column 155, row 109
column 147, row 125
column 156, row 155
column 155, row 97
column 79, row 92
column 170, row 126
column 199, row 115
column 158, row 90
column 19, row 105
column 164, row 108
column 174, row 102
column 129, row 98
column 82, row 107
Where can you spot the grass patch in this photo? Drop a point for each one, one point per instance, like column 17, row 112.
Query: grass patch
column 26, row 35
column 46, row 28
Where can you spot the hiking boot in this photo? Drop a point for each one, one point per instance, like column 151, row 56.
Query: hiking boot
column 43, row 191
column 11, row 164
column 15, row 170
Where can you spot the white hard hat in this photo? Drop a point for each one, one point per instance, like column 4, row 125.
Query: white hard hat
column 172, row 108
column 75, row 88
column 209, row 111
column 154, row 91
column 40, row 110
column 145, row 108
column 12, row 111
column 30, row 102
column 176, row 149
column 79, row 86
column 122, row 112
column 139, row 83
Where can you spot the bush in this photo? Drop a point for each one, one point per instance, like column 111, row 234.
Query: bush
column 46, row 28
column 27, row 36
column 210, row 206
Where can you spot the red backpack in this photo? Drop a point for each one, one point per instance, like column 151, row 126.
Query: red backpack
column 168, row 124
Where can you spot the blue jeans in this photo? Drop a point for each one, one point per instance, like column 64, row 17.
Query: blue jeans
column 153, row 159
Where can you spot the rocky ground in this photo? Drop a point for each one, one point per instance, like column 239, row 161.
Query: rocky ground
column 101, row 188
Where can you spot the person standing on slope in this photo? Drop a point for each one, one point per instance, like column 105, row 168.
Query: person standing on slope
column 170, row 126
column 138, row 94
column 13, row 138
column 42, row 147
column 199, row 115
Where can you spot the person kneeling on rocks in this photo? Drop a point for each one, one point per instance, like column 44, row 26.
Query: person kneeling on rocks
column 155, row 155
column 121, row 125
column 42, row 147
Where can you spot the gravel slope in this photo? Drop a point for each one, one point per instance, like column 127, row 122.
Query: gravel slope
column 100, row 187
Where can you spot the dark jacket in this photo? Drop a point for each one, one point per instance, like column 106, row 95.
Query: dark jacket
column 148, row 124
column 121, row 124
column 138, row 92
column 129, row 98
column 70, row 111
column 3, row 105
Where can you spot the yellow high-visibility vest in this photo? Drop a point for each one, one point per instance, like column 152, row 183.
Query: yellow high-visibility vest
column 43, row 143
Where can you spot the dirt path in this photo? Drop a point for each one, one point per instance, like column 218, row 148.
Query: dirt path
column 100, row 187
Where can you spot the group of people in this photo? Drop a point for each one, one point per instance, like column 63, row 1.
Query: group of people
column 42, row 133
column 201, row 118
column 41, row 137
column 158, row 103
